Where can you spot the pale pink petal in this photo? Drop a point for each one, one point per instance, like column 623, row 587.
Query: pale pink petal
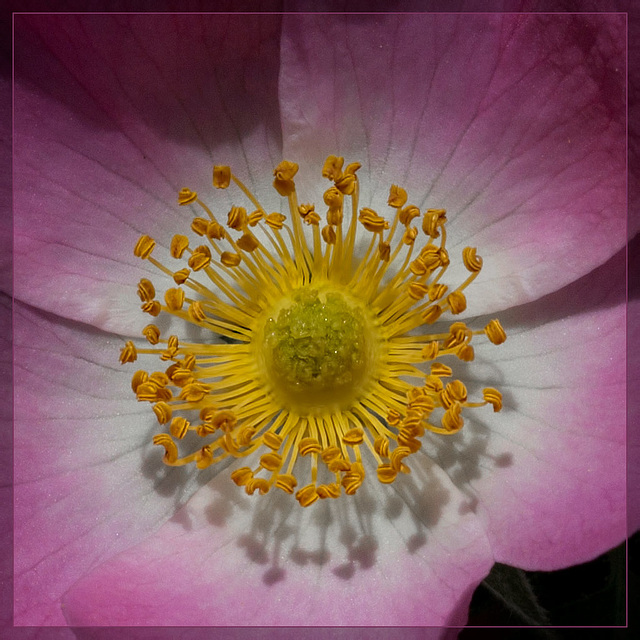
column 513, row 123
column 88, row 483
column 401, row 556
column 113, row 116
column 547, row 474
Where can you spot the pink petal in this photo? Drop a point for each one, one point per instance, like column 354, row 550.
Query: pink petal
column 113, row 116
column 513, row 123
column 87, row 482
column 401, row 556
column 547, row 474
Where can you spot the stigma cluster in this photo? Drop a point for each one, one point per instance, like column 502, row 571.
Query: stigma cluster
column 240, row 277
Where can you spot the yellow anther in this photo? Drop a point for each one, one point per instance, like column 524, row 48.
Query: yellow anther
column 200, row 258
column 146, row 290
column 309, row 445
column 408, row 214
column 457, row 302
column 441, row 370
column 162, row 412
column 245, row 435
column 182, row 376
column 272, row 440
column 418, row 267
column 384, row 251
column 353, row 437
column 353, row 479
column 144, row 247
column 271, row 461
column 433, row 384
column 381, row 446
column 128, row 353
column 312, row 218
column 452, row 420
column 286, row 482
column 430, row 350
column 459, row 333
column 347, row 184
column 186, row 196
column 351, row 169
column 386, row 474
column 284, row 174
column 225, row 421
column 433, row 218
column 181, row 276
column 160, row 378
column 432, row 313
column 221, row 176
column 493, row 397
column 465, row 352
column 215, row 231
column 328, row 491
column 179, row 427
column 396, row 458
column 204, row 457
column 307, row 495
column 194, row 392
column 174, row 299
column 332, row 168
column 229, row 259
column 171, row 451
column 328, row 235
column 196, row 312
column 151, row 333
column 275, row 220
column 228, row 444
column 285, row 170
column 139, row 377
column 423, row 404
column 331, row 453
column 305, row 209
column 471, row 261
column 247, row 242
column 179, row 245
column 237, row 218
column 409, row 236
column 393, row 417
column 333, row 198
column 407, row 439
column 495, row 332
column 199, row 226
column 430, row 256
column 417, row 290
column 437, row 291
column 455, row 391
column 255, row 217
column 147, row 392
column 371, row 221
column 397, row 196
column 208, row 413
column 242, row 476
column 339, row 465
column 257, row 484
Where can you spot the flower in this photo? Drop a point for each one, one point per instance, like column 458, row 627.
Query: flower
column 525, row 150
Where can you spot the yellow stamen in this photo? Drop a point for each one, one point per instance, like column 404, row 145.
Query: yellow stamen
column 318, row 345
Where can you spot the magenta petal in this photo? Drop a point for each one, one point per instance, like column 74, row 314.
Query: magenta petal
column 113, row 116
column 401, row 556
column 513, row 123
column 87, row 482
column 550, row 482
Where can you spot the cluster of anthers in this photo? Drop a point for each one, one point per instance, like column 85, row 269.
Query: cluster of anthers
column 316, row 348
